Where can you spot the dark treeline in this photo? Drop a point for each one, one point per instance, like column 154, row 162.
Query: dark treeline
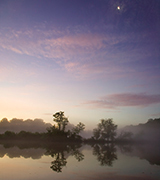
column 105, row 132
column 59, row 142
column 51, row 133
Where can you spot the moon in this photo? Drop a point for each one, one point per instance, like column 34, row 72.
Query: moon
column 118, row 7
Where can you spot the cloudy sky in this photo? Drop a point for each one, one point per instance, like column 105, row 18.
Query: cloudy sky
column 92, row 59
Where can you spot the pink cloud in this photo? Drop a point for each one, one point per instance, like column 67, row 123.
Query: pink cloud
column 47, row 44
column 78, row 54
column 113, row 101
column 85, row 54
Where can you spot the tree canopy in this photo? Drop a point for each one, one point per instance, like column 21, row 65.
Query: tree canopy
column 106, row 130
column 77, row 129
column 61, row 120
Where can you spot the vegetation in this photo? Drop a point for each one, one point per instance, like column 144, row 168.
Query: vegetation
column 106, row 130
column 61, row 120
column 58, row 131
column 125, row 136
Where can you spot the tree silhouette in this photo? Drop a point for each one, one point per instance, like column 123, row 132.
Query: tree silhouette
column 77, row 129
column 61, row 120
column 106, row 130
column 74, row 134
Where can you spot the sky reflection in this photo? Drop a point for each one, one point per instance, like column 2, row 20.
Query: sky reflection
column 80, row 163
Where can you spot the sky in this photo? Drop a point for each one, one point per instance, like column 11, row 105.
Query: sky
column 92, row 59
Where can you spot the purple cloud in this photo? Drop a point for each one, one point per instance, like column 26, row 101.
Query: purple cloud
column 113, row 101
column 84, row 54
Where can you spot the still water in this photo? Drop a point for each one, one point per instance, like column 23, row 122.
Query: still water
column 97, row 162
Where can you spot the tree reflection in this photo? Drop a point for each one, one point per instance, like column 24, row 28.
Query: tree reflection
column 78, row 155
column 126, row 148
column 106, row 154
column 60, row 155
column 59, row 163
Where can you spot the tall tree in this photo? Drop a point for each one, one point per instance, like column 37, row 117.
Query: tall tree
column 106, row 130
column 61, row 120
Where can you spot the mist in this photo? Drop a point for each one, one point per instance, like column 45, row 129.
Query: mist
column 17, row 125
column 36, row 125
column 150, row 131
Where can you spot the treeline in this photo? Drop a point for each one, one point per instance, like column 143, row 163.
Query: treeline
column 106, row 131
column 52, row 133
column 22, row 136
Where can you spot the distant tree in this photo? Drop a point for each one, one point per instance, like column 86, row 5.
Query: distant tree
column 61, row 120
column 74, row 133
column 9, row 134
column 125, row 135
column 106, row 130
column 77, row 129
column 150, row 120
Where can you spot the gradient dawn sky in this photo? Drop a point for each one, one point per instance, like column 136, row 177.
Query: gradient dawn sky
column 92, row 59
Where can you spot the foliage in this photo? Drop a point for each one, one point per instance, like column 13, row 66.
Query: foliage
column 59, row 133
column 77, row 129
column 106, row 130
column 61, row 120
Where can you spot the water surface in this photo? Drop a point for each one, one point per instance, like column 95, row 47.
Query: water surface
column 138, row 162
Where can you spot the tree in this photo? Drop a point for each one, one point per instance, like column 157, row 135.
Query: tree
column 125, row 136
column 77, row 129
column 61, row 120
column 106, row 130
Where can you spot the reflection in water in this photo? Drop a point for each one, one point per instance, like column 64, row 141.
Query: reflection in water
column 59, row 163
column 16, row 152
column 78, row 155
column 106, row 154
column 126, row 148
column 55, row 157
column 150, row 152
column 60, row 154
